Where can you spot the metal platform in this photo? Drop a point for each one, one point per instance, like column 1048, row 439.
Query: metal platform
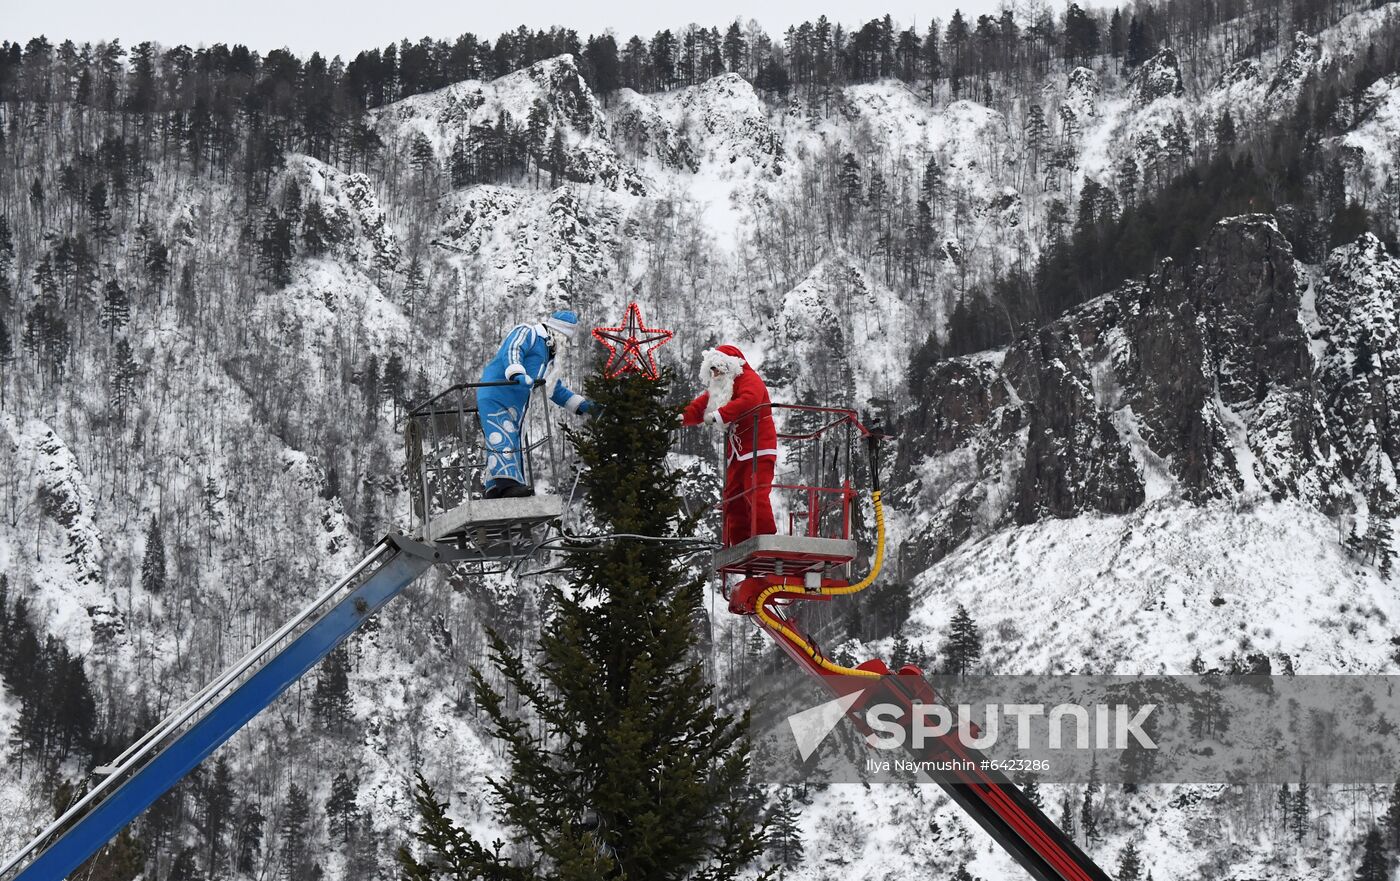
column 785, row 555
column 497, row 528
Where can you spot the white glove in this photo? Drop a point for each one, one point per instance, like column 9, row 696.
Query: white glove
column 712, row 418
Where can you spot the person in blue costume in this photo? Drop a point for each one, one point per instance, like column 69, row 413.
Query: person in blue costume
column 530, row 352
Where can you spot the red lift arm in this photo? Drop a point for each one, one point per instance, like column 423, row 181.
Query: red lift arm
column 777, row 574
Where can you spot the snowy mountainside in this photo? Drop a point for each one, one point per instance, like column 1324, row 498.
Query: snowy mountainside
column 1207, row 434
column 447, row 116
column 1199, row 384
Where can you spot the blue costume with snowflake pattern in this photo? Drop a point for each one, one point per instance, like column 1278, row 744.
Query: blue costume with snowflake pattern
column 524, row 357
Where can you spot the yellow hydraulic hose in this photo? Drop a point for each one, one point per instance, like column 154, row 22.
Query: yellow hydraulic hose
column 798, row 639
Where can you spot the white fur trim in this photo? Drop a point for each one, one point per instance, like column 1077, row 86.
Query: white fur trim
column 731, row 364
column 574, row 402
column 564, row 329
column 514, row 370
column 554, row 370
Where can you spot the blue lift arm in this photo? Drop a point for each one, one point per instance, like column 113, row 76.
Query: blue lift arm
column 160, row 759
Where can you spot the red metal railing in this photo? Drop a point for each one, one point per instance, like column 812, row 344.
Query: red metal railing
column 821, row 455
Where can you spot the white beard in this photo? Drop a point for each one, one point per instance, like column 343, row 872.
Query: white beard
column 555, row 371
column 721, row 391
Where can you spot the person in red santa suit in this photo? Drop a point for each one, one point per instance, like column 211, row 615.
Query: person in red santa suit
column 736, row 397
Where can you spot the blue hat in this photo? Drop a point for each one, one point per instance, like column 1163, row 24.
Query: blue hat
column 565, row 321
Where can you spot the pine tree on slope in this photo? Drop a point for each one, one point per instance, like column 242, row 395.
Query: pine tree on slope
column 1375, row 863
column 964, row 646
column 637, row 775
column 153, row 561
column 785, row 838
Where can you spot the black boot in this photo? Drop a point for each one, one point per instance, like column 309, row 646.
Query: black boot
column 506, row 488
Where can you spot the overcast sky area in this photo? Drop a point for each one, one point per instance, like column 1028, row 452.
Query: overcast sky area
column 344, row 28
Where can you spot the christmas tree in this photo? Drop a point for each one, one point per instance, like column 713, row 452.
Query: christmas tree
column 636, row 773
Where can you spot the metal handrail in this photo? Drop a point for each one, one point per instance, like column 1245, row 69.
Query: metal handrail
column 425, row 493
column 133, row 755
column 848, row 416
column 748, row 423
column 419, row 411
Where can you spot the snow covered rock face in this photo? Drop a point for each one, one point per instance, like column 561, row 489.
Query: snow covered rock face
column 68, row 567
column 1074, row 460
column 563, row 240
column 732, row 122
column 1159, row 77
column 1371, row 143
column 1199, row 384
column 1082, row 94
column 1359, row 309
column 839, row 336
column 340, row 209
column 720, row 123
column 648, row 134
column 1249, row 297
column 454, row 117
column 1307, row 57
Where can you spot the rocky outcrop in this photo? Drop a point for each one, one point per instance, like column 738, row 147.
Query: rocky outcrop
column 1305, row 59
column 1082, row 94
column 1159, row 77
column 1199, row 383
column 1358, row 307
column 1074, row 460
column 1173, row 387
column 730, row 123
column 1248, row 293
column 455, row 119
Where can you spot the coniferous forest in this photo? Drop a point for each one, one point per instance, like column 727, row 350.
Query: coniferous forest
column 1120, row 281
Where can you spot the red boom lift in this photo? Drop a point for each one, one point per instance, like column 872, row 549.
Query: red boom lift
column 810, row 560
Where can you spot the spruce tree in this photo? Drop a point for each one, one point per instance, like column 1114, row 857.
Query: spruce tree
column 341, row 808
column 1129, row 863
column 849, row 180
column 901, row 654
column 785, row 838
column 7, row 352
column 125, row 373
column 964, row 645
column 1285, row 807
column 1225, row 136
column 1086, row 818
column 215, row 796
column 1375, row 862
column 293, row 831
column 626, row 768
column 1067, row 814
column 248, row 837
column 330, row 702
column 116, row 309
column 1301, row 808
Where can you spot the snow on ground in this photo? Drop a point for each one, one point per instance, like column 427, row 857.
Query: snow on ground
column 64, row 556
column 1145, row 592
column 1374, row 140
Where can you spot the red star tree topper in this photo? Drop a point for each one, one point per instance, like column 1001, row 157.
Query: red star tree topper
column 631, row 345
